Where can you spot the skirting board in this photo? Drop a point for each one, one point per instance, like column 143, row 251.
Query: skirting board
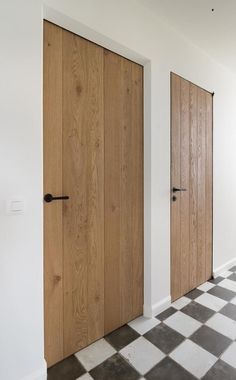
column 40, row 374
column 223, row 268
column 157, row 308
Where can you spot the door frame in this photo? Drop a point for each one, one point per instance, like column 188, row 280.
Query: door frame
column 82, row 30
column 171, row 184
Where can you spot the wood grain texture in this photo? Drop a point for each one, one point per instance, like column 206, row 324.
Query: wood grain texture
column 193, row 201
column 123, row 190
column 201, row 190
column 83, row 181
column 175, row 181
column 53, row 245
column 184, row 183
column 137, row 190
column 191, row 168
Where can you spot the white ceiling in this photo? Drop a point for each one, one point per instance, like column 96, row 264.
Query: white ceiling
column 214, row 32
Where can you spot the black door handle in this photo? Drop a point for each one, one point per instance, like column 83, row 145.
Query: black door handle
column 175, row 189
column 49, row 198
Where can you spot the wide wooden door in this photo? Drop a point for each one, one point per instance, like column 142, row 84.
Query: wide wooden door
column 93, row 186
column 191, row 186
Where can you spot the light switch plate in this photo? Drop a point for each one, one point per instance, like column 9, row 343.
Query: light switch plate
column 15, row 206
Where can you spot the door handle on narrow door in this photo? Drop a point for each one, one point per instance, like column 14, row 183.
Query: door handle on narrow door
column 49, row 198
column 175, row 189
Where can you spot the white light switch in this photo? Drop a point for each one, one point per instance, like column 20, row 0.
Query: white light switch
column 15, row 206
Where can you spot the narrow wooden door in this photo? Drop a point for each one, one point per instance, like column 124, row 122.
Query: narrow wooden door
column 93, row 156
column 191, row 186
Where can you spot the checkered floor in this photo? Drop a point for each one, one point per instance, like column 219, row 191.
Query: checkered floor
column 194, row 339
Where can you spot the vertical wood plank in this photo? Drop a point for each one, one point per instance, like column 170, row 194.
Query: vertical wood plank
column 175, row 171
column 126, row 202
column 113, row 112
column 123, row 191
column 83, row 181
column 183, row 197
column 193, row 170
column 137, row 186
column 209, row 183
column 53, row 249
column 201, row 159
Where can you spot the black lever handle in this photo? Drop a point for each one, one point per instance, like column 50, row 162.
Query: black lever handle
column 175, row 189
column 49, row 198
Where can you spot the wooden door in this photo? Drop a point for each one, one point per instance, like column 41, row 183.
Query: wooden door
column 191, row 172
column 85, row 108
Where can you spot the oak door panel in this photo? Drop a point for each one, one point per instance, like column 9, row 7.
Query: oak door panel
column 137, row 190
column 191, row 170
column 201, row 188
column 83, row 180
column 53, row 242
column 123, row 190
column 184, row 182
column 193, row 193
column 175, row 173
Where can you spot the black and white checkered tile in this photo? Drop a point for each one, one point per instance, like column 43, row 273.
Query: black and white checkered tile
column 194, row 339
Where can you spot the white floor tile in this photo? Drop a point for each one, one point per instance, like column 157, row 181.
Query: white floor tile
column 182, row 323
column 142, row 355
column 211, row 301
column 223, row 325
column 95, row 354
column 86, row 376
column 228, row 284
column 193, row 358
column 226, row 274
column 143, row 325
column 206, row 286
column 181, row 302
column 229, row 356
column 233, row 301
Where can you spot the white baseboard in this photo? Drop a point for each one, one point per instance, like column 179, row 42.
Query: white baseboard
column 223, row 268
column 40, row 374
column 157, row 308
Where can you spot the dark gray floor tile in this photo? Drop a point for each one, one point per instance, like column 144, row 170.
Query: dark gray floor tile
column 216, row 280
column 194, row 294
column 211, row 340
column 233, row 269
column 221, row 371
column 229, row 311
column 165, row 338
column 167, row 369
column 232, row 277
column 122, row 337
column 224, row 294
column 197, row 311
column 67, row 369
column 167, row 313
column 114, row 368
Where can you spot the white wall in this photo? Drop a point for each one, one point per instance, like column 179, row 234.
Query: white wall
column 21, row 314
column 122, row 24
